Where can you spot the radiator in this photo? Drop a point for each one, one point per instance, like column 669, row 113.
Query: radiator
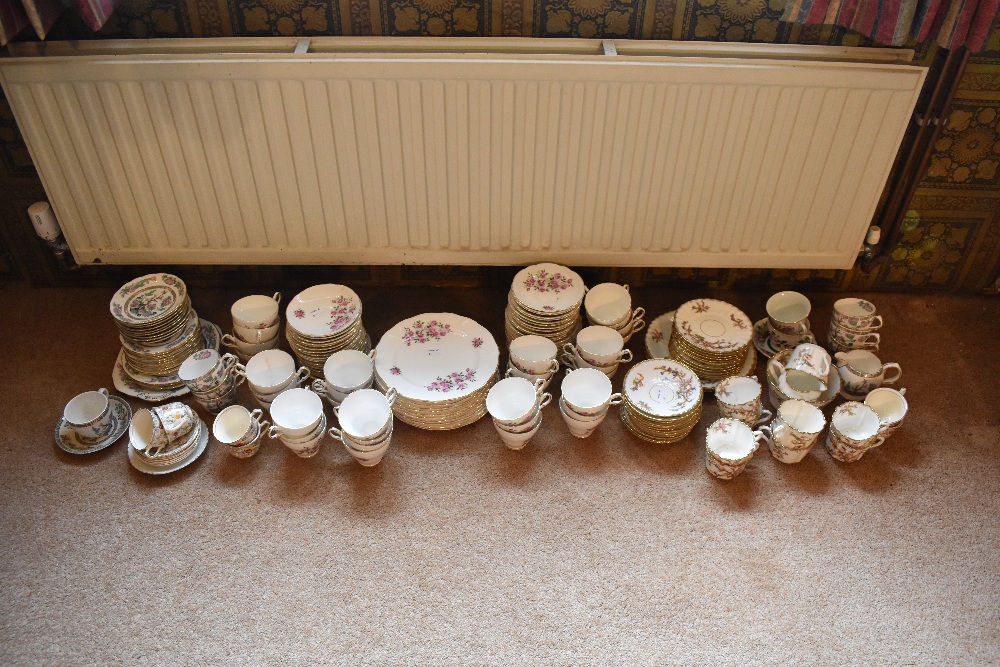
column 481, row 151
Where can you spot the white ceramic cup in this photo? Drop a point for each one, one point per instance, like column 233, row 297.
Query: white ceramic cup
column 631, row 325
column 366, row 456
column 861, row 372
column 890, row 406
column 306, row 446
column 89, row 414
column 255, row 335
column 794, row 431
column 295, row 413
column 729, row 446
column 740, row 397
column 270, row 371
column 600, row 346
column 533, row 355
column 577, row 428
column 206, row 369
column 608, row 304
column 256, row 311
column 245, row 349
column 236, row 426
column 349, row 370
column 788, row 313
column 807, row 368
column 366, row 414
column 857, row 314
column 854, row 429
column 595, row 418
column 514, row 400
column 517, row 440
column 145, row 431
column 587, row 392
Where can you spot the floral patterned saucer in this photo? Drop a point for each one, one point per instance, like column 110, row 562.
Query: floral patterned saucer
column 662, row 388
column 657, row 345
column 323, row 311
column 762, row 339
column 199, row 448
column 548, row 288
column 138, row 385
column 121, row 417
column 147, row 298
column 713, row 326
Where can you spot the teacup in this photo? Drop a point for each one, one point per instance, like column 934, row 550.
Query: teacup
column 739, row 398
column 515, row 400
column 270, row 371
column 587, row 392
column 861, row 372
column 857, row 314
column 729, row 446
column 891, row 408
column 533, row 355
column 807, row 368
column 366, row 456
column 295, row 413
column 854, row 429
column 205, row 370
column 145, row 432
column 791, row 392
column 217, row 402
column 255, row 335
column 90, row 416
column 237, row 428
column 788, row 313
column 781, row 340
column 595, row 418
column 517, row 440
column 245, row 349
column 234, row 378
column 515, row 373
column 572, row 361
column 367, row 446
column 366, row 414
column 176, row 419
column 600, row 346
column 305, row 446
column 256, row 311
column 794, row 431
column 843, row 340
column 348, row 370
column 608, row 304
column 578, row 428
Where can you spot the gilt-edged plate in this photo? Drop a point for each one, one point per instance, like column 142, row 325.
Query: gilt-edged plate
column 147, row 298
column 712, row 325
column 121, row 417
column 548, row 288
column 321, row 311
column 126, row 384
column 662, row 387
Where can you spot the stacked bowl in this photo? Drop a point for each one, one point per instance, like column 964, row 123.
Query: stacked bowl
column 324, row 319
column 585, row 401
column 712, row 338
column 545, row 300
column 516, row 407
column 366, row 425
column 158, row 329
column 610, row 305
column 662, row 400
column 255, row 325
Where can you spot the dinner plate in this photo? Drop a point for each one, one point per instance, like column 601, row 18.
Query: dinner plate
column 126, row 384
column 323, row 310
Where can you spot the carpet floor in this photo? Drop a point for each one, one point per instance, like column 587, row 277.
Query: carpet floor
column 457, row 551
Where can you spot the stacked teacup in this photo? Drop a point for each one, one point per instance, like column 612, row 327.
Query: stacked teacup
column 794, row 431
column 805, row 374
column 344, row 373
column 255, row 325
column 533, row 358
column 788, row 320
column 586, row 397
column 366, row 424
column 610, row 305
column 597, row 347
column 271, row 372
column 298, row 421
column 240, row 430
column 212, row 378
column 516, row 407
column 165, row 435
column 854, row 325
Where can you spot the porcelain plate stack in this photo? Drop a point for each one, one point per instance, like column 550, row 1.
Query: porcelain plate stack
column 662, row 400
column 324, row 319
column 158, row 330
column 545, row 300
column 712, row 338
column 442, row 365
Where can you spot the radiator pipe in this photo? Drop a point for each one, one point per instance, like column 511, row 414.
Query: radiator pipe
column 43, row 219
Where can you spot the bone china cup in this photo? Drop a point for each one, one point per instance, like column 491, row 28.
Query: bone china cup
column 608, row 304
column 740, row 398
column 176, row 419
column 729, row 446
column 600, row 346
column 513, row 400
column 206, row 369
column 861, row 372
column 587, row 391
column 366, row 414
column 788, row 313
column 807, row 369
column 271, row 370
column 891, row 408
column 295, row 413
column 348, row 370
column 794, row 431
column 236, row 426
column 145, row 431
column 534, row 355
column 857, row 314
column 256, row 311
column 89, row 415
column 854, row 429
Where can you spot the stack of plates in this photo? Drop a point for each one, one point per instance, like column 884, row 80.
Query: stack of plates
column 158, row 329
column 176, row 457
column 442, row 365
column 712, row 338
column 662, row 400
column 324, row 319
column 545, row 300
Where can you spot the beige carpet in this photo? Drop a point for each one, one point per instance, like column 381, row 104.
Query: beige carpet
column 457, row 551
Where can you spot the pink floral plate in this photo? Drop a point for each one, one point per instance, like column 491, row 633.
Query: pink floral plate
column 548, row 288
column 323, row 311
column 437, row 357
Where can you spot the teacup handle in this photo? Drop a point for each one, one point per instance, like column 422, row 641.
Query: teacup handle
column 336, row 434
column 891, row 366
column 758, row 437
column 103, row 392
column 256, row 414
column 625, row 356
column 510, row 373
column 546, row 399
column 766, row 432
column 809, row 337
column 229, row 340
column 569, row 348
column 553, row 365
column 775, row 364
column 872, row 338
column 273, row 433
column 879, row 325
column 319, row 387
column 638, row 324
column 616, row 399
column 240, row 379
column 569, row 362
column 239, row 369
column 390, row 396
column 277, row 297
column 301, row 375
column 229, row 360
column 638, row 313
column 902, row 391
column 765, row 416
column 878, row 442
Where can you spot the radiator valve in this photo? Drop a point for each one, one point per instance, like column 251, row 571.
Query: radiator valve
column 43, row 218
column 870, row 248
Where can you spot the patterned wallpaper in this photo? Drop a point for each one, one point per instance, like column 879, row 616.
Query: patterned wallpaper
column 951, row 235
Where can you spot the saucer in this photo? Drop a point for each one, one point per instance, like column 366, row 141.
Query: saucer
column 126, row 384
column 122, row 417
column 762, row 340
column 658, row 336
column 142, row 466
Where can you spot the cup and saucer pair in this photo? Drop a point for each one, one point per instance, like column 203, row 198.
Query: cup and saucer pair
column 762, row 339
column 69, row 441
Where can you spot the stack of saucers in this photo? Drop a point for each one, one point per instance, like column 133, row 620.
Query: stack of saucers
column 662, row 400
column 712, row 338
column 166, row 438
column 158, row 329
column 324, row 319
column 442, row 365
column 545, row 300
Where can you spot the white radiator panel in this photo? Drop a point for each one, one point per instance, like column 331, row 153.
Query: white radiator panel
column 462, row 158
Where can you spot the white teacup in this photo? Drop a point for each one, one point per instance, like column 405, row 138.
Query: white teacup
column 788, row 313
column 295, row 413
column 514, row 400
column 515, row 373
column 600, row 346
column 578, row 428
column 857, row 314
column 367, row 456
column 89, row 414
column 271, row 371
column 572, row 361
column 587, row 392
column 245, row 349
column 237, row 428
column 305, row 446
column 791, row 392
column 349, row 370
column 608, row 304
column 794, row 431
column 366, row 414
column 729, row 446
column 807, row 368
column 740, row 397
column 854, row 429
column 533, row 355
column 256, row 311
column 595, row 418
column 891, row 408
column 256, row 335
column 861, row 372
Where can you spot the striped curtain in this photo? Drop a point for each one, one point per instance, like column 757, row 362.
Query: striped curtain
column 952, row 23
